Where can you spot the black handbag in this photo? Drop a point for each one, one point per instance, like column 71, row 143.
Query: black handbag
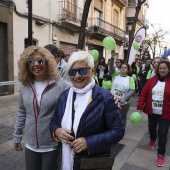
column 96, row 162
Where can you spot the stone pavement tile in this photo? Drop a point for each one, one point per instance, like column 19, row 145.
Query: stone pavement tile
column 12, row 160
column 8, row 104
column 143, row 144
column 134, row 134
column 5, row 133
column 129, row 145
column 123, row 156
column 146, row 159
column 120, row 159
column 131, row 167
column 8, row 120
column 6, row 146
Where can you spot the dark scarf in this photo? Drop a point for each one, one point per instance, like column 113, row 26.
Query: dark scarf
column 162, row 79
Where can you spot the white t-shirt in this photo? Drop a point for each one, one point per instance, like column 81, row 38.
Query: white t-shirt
column 101, row 73
column 39, row 88
column 157, row 97
column 120, row 86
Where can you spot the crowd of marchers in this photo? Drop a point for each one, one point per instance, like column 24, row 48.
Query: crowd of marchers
column 74, row 113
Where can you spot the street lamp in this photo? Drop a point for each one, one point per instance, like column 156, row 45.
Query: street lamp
column 29, row 22
column 129, row 26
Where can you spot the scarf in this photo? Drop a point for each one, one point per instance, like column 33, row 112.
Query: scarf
column 67, row 151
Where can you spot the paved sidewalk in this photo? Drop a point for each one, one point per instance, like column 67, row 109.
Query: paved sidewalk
column 133, row 155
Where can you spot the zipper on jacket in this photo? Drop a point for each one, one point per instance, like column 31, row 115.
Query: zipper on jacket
column 38, row 113
column 37, row 109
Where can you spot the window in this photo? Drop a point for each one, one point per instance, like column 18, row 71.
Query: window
column 115, row 20
column 97, row 15
column 69, row 7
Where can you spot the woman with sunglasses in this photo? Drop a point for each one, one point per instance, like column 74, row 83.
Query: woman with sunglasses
column 124, row 87
column 40, row 88
column 102, row 69
column 86, row 121
column 114, row 71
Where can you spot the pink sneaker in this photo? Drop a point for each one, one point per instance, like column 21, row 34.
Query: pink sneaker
column 151, row 144
column 160, row 161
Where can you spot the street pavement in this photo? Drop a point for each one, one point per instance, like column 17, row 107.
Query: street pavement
column 132, row 152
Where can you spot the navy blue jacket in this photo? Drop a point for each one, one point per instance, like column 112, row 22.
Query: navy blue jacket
column 101, row 123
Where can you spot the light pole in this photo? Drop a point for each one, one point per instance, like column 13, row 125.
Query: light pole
column 29, row 22
column 129, row 25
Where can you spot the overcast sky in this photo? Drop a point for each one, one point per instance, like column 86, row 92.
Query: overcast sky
column 159, row 12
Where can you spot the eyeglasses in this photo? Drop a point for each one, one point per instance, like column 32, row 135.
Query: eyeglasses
column 124, row 67
column 81, row 71
column 40, row 60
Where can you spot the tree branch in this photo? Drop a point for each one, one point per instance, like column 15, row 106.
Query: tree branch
column 81, row 39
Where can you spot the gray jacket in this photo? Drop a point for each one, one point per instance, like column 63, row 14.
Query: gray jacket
column 36, row 120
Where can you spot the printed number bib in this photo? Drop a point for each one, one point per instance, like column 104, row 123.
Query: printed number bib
column 156, row 104
column 119, row 93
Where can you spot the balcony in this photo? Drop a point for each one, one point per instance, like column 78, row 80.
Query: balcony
column 69, row 15
column 100, row 29
column 121, row 3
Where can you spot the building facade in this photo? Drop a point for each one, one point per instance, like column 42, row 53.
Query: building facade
column 58, row 22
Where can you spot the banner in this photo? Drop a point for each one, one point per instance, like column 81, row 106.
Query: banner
column 8, row 83
column 138, row 38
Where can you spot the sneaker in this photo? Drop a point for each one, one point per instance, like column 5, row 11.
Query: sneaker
column 160, row 161
column 151, row 144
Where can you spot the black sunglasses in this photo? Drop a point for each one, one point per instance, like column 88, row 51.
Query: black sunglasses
column 40, row 60
column 81, row 71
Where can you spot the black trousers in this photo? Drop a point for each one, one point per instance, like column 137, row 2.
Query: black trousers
column 100, row 82
column 40, row 161
column 159, row 127
column 123, row 111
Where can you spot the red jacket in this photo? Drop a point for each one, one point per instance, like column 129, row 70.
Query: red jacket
column 145, row 99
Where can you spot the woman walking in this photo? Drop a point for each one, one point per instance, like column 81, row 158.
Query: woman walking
column 155, row 101
column 124, row 87
column 41, row 86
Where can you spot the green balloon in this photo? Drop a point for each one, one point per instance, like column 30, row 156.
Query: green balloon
column 135, row 118
column 95, row 54
column 109, row 43
column 136, row 46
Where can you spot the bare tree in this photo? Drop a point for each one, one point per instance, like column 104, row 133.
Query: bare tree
column 81, row 39
column 154, row 39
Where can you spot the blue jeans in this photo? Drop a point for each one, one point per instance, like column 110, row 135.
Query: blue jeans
column 163, row 128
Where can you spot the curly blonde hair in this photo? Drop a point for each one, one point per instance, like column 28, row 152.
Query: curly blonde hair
column 24, row 72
